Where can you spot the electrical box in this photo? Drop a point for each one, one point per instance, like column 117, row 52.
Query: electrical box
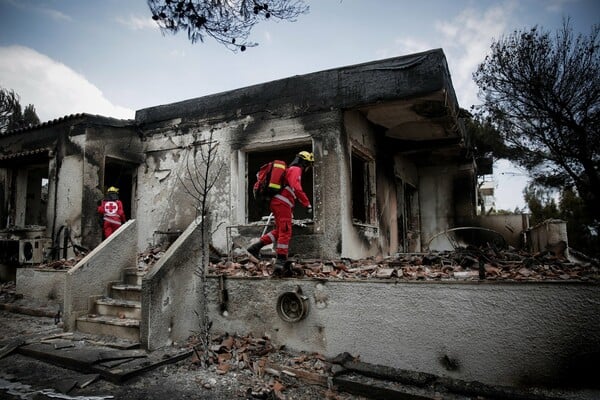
column 31, row 251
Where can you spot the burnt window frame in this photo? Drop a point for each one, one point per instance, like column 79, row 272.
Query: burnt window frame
column 363, row 187
column 19, row 169
column 255, row 211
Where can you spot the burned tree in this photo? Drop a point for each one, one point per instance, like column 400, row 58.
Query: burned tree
column 542, row 94
column 9, row 100
column 227, row 22
column 11, row 114
column 203, row 169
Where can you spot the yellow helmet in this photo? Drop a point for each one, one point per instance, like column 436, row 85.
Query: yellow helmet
column 306, row 156
column 112, row 189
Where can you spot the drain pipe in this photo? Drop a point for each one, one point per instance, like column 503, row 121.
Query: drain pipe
column 67, row 233
column 56, row 169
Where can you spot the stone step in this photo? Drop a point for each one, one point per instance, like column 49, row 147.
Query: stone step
column 123, row 291
column 125, row 328
column 133, row 276
column 119, row 308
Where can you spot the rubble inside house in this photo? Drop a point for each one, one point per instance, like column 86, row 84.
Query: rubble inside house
column 461, row 264
column 145, row 260
column 63, row 263
column 148, row 258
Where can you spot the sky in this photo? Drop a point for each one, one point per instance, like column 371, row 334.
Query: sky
column 108, row 57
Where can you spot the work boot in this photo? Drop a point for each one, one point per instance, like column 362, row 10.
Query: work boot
column 279, row 266
column 254, row 250
column 288, row 268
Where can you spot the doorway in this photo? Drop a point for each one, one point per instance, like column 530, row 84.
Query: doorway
column 121, row 174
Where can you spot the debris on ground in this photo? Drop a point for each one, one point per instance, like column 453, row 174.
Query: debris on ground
column 462, row 264
column 8, row 292
column 269, row 372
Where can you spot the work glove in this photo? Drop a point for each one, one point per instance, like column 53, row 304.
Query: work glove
column 309, row 209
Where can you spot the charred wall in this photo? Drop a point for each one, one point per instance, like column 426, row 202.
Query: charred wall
column 169, row 146
column 72, row 151
column 509, row 334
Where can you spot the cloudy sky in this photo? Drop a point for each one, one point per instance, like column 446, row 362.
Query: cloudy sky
column 107, row 57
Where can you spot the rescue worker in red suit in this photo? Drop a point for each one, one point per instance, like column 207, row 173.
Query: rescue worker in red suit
column 111, row 210
column 282, row 205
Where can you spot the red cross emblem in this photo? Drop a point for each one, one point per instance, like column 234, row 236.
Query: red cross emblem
column 110, row 207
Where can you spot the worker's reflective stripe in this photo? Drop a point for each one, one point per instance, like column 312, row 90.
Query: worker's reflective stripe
column 112, row 221
column 284, row 199
column 282, row 246
column 270, row 235
column 291, row 190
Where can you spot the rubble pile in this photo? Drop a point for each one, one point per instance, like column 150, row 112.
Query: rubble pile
column 268, row 372
column 147, row 259
column 8, row 292
column 468, row 263
column 63, row 263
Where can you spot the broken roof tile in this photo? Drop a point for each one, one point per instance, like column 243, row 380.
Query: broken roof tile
column 461, row 264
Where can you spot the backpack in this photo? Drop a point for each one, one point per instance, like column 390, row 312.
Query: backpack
column 269, row 180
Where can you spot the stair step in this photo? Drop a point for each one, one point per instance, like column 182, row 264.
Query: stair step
column 133, row 276
column 126, row 328
column 126, row 292
column 116, row 307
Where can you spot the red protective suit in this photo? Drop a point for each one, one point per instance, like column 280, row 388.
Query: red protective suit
column 113, row 215
column 281, row 207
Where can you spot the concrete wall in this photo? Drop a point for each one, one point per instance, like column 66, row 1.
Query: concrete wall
column 69, row 192
column 511, row 227
column 547, row 233
column 170, row 293
column 42, row 285
column 92, row 275
column 495, row 333
column 166, row 199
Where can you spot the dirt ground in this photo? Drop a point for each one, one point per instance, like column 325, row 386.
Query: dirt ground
column 22, row 377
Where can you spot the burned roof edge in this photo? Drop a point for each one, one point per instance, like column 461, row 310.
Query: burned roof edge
column 84, row 117
column 340, row 87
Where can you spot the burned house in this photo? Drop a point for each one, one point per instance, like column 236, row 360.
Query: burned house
column 51, row 177
column 393, row 169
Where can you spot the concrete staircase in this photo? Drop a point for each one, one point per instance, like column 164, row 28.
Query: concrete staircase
column 118, row 315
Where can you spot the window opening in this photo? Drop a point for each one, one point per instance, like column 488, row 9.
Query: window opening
column 360, row 189
column 36, row 196
column 256, row 210
column 363, row 188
